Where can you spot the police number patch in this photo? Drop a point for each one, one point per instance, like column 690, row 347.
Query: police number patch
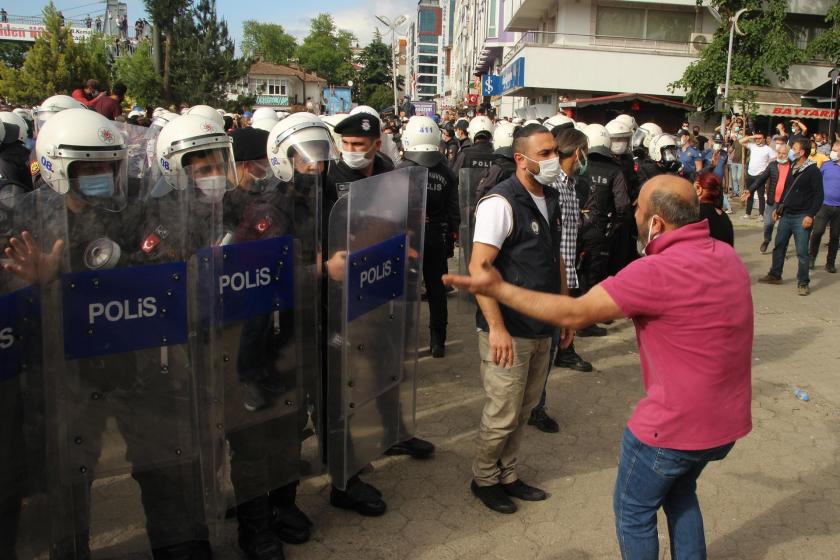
column 535, row 227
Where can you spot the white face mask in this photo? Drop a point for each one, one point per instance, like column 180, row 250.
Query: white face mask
column 641, row 247
column 619, row 147
column 356, row 160
column 549, row 170
column 834, row 155
column 212, row 188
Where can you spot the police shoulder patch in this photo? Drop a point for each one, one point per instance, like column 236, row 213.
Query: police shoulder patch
column 34, row 168
column 535, row 226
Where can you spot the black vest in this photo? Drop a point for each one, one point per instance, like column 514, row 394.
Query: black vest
column 478, row 156
column 530, row 256
column 600, row 204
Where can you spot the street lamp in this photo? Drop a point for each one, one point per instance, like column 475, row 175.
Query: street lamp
column 393, row 26
column 734, row 22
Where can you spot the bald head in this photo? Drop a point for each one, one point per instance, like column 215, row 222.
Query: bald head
column 665, row 203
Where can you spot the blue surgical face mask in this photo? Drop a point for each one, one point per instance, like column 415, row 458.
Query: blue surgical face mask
column 97, row 186
column 791, row 155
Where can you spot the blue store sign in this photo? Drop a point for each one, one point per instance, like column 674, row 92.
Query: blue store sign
column 491, row 85
column 375, row 276
column 513, row 76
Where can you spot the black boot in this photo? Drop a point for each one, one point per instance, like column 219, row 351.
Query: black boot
column 290, row 523
column 437, row 344
column 570, row 359
column 361, row 497
column 190, row 550
column 257, row 538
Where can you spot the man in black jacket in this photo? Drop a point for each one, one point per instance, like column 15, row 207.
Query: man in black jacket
column 799, row 203
column 773, row 177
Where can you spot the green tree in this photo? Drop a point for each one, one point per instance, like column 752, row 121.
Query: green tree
column 380, row 97
column 767, row 44
column 268, row 41
column 137, row 72
column 54, row 64
column 326, row 50
column 827, row 44
column 375, row 70
column 165, row 14
column 13, row 54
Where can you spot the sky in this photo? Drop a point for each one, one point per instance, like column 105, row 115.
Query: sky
column 294, row 15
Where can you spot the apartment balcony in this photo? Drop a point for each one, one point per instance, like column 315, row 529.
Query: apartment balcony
column 599, row 63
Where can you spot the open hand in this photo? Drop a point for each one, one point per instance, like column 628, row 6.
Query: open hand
column 30, row 263
column 487, row 282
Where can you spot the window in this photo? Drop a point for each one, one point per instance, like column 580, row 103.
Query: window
column 427, row 22
column 427, row 69
column 641, row 23
column 427, row 59
column 427, row 79
column 620, row 22
column 270, row 86
column 428, row 49
column 427, row 90
column 671, row 26
column 492, row 20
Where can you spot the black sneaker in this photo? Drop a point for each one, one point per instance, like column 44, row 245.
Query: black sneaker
column 543, row 422
column 292, row 525
column 519, row 489
column 830, row 268
column 764, row 246
column 570, row 359
column 592, row 330
column 438, row 350
column 494, row 497
column 415, row 447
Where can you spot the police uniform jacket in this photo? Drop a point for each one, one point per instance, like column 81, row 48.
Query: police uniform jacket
column 608, row 202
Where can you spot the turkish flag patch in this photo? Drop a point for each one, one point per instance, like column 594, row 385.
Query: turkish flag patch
column 150, row 243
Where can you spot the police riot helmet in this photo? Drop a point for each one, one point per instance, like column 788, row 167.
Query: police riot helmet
column 208, row 112
column 480, row 127
column 17, row 120
column 53, row 105
column 644, row 134
column 503, row 135
column 83, row 153
column 663, row 150
column 620, row 135
column 421, row 141
column 599, row 139
column 265, row 113
column 186, row 137
column 580, row 125
column 558, row 122
column 303, row 135
column 628, row 120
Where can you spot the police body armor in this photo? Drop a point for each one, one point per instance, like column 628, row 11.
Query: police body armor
column 476, row 156
column 600, row 209
column 372, row 318
column 132, row 352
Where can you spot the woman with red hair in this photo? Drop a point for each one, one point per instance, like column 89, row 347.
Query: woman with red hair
column 710, row 194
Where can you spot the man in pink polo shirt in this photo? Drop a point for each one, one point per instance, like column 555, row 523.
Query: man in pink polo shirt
column 694, row 328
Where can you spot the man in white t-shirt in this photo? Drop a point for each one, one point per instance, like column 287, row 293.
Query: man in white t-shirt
column 518, row 229
column 760, row 157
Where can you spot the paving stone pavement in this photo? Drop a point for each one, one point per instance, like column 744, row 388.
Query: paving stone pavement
column 777, row 495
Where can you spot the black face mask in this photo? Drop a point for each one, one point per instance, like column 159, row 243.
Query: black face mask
column 303, row 183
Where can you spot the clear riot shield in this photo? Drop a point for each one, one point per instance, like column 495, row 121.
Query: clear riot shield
column 133, row 350
column 468, row 180
column 372, row 318
column 139, row 165
column 269, row 286
column 24, row 524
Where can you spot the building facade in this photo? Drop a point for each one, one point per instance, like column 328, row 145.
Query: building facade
column 279, row 86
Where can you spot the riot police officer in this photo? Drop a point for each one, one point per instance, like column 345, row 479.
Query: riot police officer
column 478, row 155
column 503, row 163
column 623, row 246
column 663, row 156
column 607, row 207
column 360, row 158
column 640, row 143
column 14, row 156
column 420, row 140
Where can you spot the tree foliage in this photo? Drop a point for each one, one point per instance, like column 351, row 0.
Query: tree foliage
column 827, row 44
column 767, row 46
column 55, row 64
column 326, row 50
column 268, row 41
column 375, row 71
column 137, row 72
column 13, row 54
column 164, row 15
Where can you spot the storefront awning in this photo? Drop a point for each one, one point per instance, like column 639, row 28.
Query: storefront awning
column 622, row 97
column 787, row 104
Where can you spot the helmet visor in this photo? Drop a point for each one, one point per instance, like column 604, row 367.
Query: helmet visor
column 311, row 152
column 210, row 172
column 638, row 140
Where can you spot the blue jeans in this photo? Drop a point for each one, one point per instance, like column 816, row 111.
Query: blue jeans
column 654, row 477
column 791, row 225
column 769, row 224
column 735, row 171
column 555, row 342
